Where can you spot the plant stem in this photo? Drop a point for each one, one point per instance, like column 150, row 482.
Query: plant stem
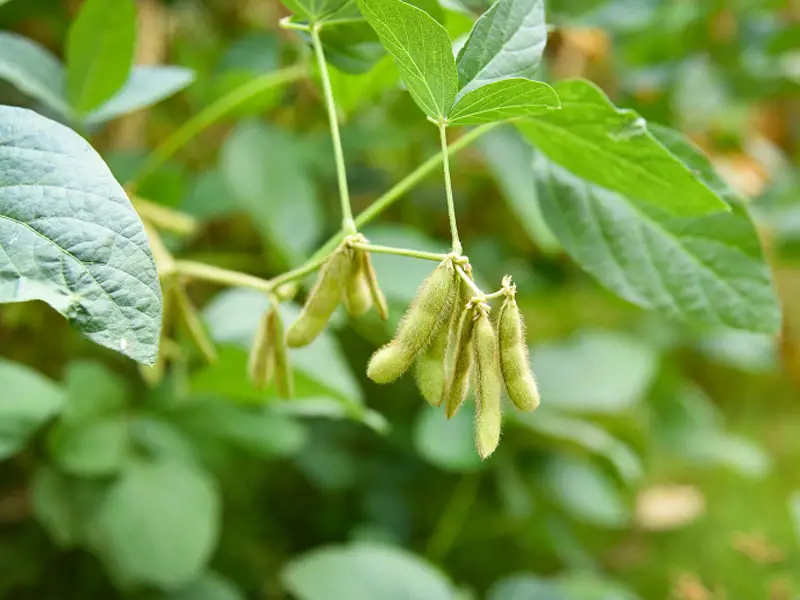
column 448, row 188
column 401, row 252
column 453, row 517
column 348, row 225
column 469, row 281
column 496, row 294
column 164, row 218
column 210, row 115
column 196, row 270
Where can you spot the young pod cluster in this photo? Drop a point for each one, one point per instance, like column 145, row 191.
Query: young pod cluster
column 269, row 357
column 346, row 276
column 517, row 375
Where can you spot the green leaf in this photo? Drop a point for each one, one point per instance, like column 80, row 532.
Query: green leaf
column 526, row 587
column 421, row 49
column 585, row 492
column 364, row 572
column 716, row 448
column 447, row 444
column 100, row 46
column 502, row 100
column 709, row 271
column 93, row 391
column 27, row 402
column 794, row 511
column 145, row 87
column 506, row 42
column 616, row 372
column 269, row 173
column 591, row 139
column 34, row 71
column 209, row 587
column 97, row 447
column 353, row 91
column 509, row 159
column 64, row 505
column 319, row 11
column 70, row 237
column 158, row 524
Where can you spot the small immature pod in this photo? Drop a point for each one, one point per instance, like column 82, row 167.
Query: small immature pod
column 322, row 299
column 284, row 379
column 429, row 312
column 458, row 378
column 488, row 415
column 357, row 293
column 431, row 366
column 261, row 362
column 378, row 299
column 517, row 374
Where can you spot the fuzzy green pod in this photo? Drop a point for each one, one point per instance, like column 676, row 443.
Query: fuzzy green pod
column 261, row 362
column 284, row 378
column 429, row 312
column 431, row 368
column 357, row 293
column 322, row 299
column 488, row 387
column 378, row 299
column 517, row 374
column 458, row 378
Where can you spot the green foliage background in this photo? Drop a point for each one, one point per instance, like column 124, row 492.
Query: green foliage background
column 204, row 488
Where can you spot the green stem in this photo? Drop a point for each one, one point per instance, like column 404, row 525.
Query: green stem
column 202, row 271
column 210, row 115
column 348, row 225
column 448, row 188
column 453, row 517
column 401, row 252
column 469, row 281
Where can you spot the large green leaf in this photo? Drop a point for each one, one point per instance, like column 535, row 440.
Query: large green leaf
column 97, row 447
column 709, row 271
column 93, row 391
column 506, row 42
column 146, row 86
column 158, row 523
column 501, row 100
column 100, row 47
column 33, row 70
column 319, row 11
column 208, row 587
column 421, row 49
column 593, row 140
column 70, row 237
column 28, row 400
column 364, row 572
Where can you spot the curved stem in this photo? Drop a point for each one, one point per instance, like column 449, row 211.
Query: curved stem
column 348, row 225
column 210, row 115
column 448, row 188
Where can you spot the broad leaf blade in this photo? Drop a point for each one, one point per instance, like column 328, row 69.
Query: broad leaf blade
column 70, row 237
column 506, row 42
column 100, row 48
column 145, row 87
column 709, row 271
column 34, row 71
column 504, row 100
column 421, row 49
column 596, row 141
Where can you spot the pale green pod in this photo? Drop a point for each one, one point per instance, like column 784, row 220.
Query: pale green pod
column 378, row 299
column 488, row 387
column 458, row 377
column 429, row 312
column 284, row 378
column 519, row 379
column 322, row 299
column 261, row 362
column 430, row 370
column 357, row 294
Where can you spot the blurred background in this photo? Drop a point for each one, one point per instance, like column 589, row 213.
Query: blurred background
column 661, row 465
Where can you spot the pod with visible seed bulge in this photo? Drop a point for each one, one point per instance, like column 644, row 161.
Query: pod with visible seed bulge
column 378, row 299
column 431, row 366
column 357, row 293
column 488, row 387
column 458, row 378
column 429, row 312
column 322, row 299
column 520, row 382
column 261, row 362
column 284, row 379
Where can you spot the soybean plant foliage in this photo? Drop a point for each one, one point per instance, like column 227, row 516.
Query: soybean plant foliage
column 132, row 464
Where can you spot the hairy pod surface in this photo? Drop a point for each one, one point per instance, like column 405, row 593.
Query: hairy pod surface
column 261, row 362
column 488, row 387
column 284, row 378
column 322, row 299
column 458, row 378
column 378, row 299
column 429, row 312
column 357, row 293
column 431, row 368
column 515, row 365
